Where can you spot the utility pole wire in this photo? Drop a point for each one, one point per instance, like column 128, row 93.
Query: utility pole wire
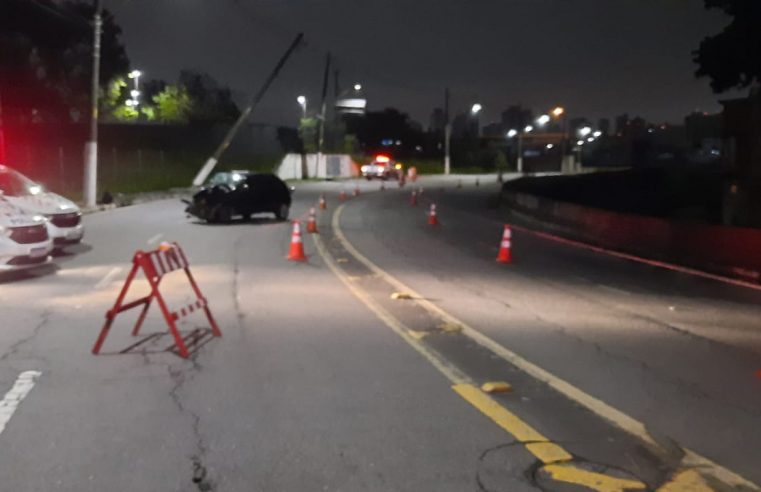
column 212, row 161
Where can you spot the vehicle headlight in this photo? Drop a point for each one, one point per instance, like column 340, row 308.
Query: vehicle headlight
column 363, row 169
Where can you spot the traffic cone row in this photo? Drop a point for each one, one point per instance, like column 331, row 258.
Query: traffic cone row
column 432, row 217
column 505, row 254
column 296, row 252
column 312, row 222
column 297, row 246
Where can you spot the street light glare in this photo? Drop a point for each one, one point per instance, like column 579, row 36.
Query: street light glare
column 476, row 108
column 585, row 131
column 357, row 87
column 580, row 142
column 597, row 134
column 135, row 74
column 558, row 111
column 301, row 100
column 528, row 128
column 512, row 133
column 543, row 120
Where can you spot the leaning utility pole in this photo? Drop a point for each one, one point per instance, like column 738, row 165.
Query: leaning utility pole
column 91, row 147
column 212, row 161
column 447, row 133
column 321, row 138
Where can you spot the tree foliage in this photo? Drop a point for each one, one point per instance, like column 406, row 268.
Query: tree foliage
column 45, row 67
column 732, row 58
column 173, row 105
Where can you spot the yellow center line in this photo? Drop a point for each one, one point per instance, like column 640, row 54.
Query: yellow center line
column 595, row 405
column 533, row 441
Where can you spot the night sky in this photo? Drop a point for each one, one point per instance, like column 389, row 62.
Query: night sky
column 596, row 57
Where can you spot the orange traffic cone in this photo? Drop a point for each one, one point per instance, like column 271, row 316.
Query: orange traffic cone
column 342, row 196
column 432, row 218
column 323, row 203
column 413, row 198
column 505, row 254
column 312, row 222
column 297, row 247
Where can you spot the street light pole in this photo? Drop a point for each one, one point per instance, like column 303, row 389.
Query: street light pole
column 90, row 184
column 447, row 134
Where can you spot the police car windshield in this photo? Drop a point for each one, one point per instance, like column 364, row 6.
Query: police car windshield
column 15, row 184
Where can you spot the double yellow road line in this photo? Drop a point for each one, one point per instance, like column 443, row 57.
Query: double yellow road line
column 556, row 460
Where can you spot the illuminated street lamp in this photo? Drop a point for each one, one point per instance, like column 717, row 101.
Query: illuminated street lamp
column 475, row 109
column 558, row 111
column 357, row 87
column 585, row 131
column 597, row 134
column 135, row 93
column 512, row 134
column 543, row 120
column 302, row 100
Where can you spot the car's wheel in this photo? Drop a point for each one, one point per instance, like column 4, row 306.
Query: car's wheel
column 282, row 211
column 223, row 215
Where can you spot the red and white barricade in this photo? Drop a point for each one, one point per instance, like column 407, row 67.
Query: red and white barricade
column 155, row 265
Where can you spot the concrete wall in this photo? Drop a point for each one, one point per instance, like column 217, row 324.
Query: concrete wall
column 326, row 166
column 733, row 251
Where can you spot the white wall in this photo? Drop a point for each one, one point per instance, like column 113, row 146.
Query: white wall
column 327, row 166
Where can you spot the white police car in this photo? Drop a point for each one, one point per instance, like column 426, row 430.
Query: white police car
column 63, row 217
column 24, row 239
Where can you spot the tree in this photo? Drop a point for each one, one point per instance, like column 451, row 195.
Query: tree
column 46, row 58
column 173, row 105
column 211, row 103
column 732, row 58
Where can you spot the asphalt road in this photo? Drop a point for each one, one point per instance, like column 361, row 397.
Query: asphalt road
column 322, row 381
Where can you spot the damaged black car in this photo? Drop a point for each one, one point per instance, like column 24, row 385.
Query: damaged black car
column 230, row 195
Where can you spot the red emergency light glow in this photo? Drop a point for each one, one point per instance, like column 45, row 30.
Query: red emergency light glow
column 382, row 158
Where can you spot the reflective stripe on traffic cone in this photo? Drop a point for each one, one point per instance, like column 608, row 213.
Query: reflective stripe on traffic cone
column 432, row 218
column 297, row 247
column 505, row 254
column 312, row 222
column 413, row 198
column 323, row 203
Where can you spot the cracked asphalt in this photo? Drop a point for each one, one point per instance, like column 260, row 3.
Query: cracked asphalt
column 309, row 390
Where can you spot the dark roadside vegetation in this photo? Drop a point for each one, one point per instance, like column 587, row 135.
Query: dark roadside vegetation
column 687, row 194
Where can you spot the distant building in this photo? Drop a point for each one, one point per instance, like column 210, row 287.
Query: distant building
column 516, row 117
column 603, row 124
column 437, row 121
column 494, row 130
column 622, row 122
column 465, row 126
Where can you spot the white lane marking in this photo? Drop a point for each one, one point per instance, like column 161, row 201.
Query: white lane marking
column 13, row 398
column 107, row 278
column 155, row 238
